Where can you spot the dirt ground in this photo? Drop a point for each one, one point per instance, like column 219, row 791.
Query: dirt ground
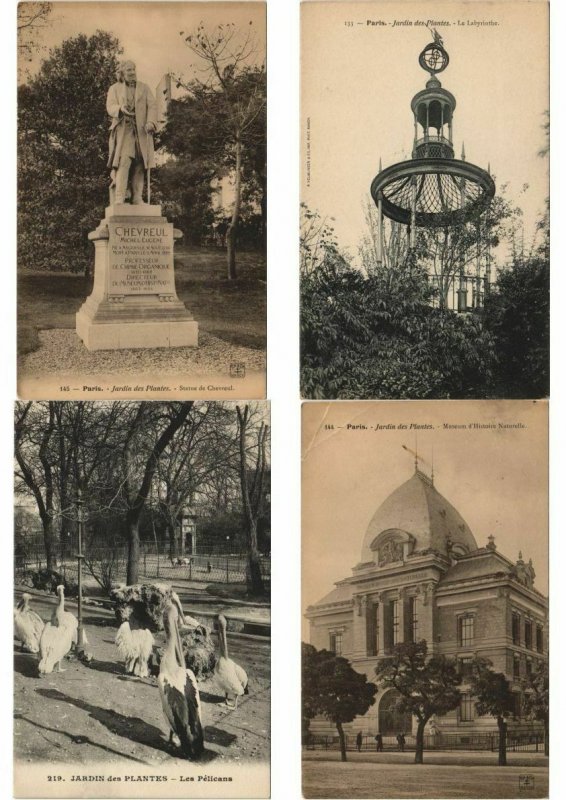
column 95, row 712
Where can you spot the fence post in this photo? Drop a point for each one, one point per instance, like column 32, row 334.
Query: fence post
column 190, row 568
column 227, row 573
column 145, row 561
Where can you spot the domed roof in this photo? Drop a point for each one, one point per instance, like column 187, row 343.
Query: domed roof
column 418, row 509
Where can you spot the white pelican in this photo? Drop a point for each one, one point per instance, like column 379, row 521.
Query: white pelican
column 58, row 636
column 27, row 625
column 231, row 677
column 179, row 691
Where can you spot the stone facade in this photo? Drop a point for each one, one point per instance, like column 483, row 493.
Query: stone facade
column 422, row 576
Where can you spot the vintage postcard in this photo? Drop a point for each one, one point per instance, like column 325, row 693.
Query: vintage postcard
column 142, row 574
column 424, row 594
column 424, row 243
column 142, row 200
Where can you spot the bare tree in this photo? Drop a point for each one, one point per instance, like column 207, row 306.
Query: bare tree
column 33, row 432
column 253, row 468
column 231, row 97
column 32, row 19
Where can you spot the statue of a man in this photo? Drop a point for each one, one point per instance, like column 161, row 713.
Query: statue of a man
column 131, row 106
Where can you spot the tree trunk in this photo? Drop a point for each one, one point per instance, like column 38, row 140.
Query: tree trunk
column 342, row 741
column 546, row 743
column 47, row 521
column 255, row 577
column 232, row 231
column 502, row 725
column 133, row 549
column 420, row 741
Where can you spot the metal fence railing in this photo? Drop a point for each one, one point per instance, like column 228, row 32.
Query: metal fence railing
column 108, row 565
column 516, row 742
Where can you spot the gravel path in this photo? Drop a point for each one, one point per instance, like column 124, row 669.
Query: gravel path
column 62, row 353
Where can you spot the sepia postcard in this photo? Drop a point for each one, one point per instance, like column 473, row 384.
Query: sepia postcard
column 424, row 241
column 425, row 599
column 142, row 575
column 142, row 200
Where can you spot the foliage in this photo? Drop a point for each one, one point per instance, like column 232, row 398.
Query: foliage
column 536, row 699
column 106, row 565
column 493, row 697
column 332, row 688
column 428, row 686
column 378, row 336
column 62, row 148
column 517, row 315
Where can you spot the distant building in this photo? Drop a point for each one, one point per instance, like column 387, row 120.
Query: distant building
column 422, row 576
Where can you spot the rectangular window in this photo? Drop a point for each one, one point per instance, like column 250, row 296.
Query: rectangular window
column 539, row 639
column 466, row 667
column 517, row 705
column 516, row 666
column 466, row 632
column 466, row 708
column 414, row 620
column 529, row 667
column 528, row 634
column 336, row 643
column 377, row 628
column 516, row 628
column 395, row 618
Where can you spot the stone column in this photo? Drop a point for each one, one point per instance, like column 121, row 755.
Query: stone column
column 401, row 616
column 381, row 622
column 426, row 629
column 359, row 628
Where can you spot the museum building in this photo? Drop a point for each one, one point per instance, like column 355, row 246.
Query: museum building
column 422, row 576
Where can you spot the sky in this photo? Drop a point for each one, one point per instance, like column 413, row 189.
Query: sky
column 497, row 480
column 358, row 81
column 150, row 32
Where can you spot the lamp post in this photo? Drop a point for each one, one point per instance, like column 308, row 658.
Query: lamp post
column 80, row 557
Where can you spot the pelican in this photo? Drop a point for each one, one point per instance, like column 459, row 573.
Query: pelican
column 231, row 677
column 27, row 625
column 179, row 691
column 58, row 636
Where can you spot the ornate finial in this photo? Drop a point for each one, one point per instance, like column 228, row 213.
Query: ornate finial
column 491, row 542
column 520, row 555
column 489, row 168
column 463, row 152
column 436, row 37
column 380, row 167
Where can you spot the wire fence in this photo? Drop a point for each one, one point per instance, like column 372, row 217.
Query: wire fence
column 529, row 741
column 109, row 565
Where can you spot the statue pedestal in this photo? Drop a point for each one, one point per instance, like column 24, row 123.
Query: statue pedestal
column 134, row 302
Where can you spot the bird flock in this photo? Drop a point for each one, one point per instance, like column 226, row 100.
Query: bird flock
column 178, row 687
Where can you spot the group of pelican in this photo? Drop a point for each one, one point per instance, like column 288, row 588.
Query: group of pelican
column 52, row 640
column 177, row 684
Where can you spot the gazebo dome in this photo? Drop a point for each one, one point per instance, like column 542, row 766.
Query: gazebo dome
column 415, row 512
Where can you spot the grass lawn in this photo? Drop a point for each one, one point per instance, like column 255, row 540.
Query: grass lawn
column 231, row 310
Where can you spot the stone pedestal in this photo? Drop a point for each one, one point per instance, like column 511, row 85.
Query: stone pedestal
column 134, row 302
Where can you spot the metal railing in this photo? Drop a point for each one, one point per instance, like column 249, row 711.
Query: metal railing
column 486, row 742
column 109, row 564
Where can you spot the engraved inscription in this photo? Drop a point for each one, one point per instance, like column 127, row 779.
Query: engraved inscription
column 141, row 258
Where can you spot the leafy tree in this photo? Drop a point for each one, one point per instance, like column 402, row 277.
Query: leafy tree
column 494, row 697
column 428, row 686
column 332, row 688
column 62, row 149
column 379, row 336
column 536, row 698
column 228, row 129
column 517, row 315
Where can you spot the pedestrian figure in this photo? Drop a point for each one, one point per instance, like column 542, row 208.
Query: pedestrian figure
column 401, row 741
column 379, row 743
column 359, row 741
